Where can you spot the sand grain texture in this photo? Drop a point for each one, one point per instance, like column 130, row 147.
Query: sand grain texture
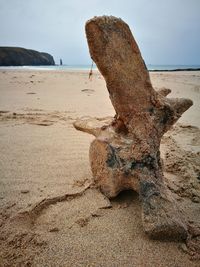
column 43, row 157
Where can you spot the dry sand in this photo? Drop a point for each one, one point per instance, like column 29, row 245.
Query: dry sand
column 44, row 161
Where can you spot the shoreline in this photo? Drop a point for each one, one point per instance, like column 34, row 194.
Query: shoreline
column 78, row 69
column 167, row 70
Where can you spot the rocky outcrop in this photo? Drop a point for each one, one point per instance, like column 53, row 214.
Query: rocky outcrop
column 17, row 56
column 125, row 153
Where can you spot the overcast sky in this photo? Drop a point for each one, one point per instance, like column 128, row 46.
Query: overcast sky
column 167, row 31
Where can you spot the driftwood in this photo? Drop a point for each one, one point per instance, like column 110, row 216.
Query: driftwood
column 125, row 153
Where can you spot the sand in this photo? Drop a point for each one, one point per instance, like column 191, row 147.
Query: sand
column 48, row 214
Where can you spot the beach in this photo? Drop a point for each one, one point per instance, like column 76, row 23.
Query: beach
column 49, row 213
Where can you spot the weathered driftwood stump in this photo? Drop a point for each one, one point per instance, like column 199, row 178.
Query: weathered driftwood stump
column 125, row 153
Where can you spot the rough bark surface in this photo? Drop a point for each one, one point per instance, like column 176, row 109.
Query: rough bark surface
column 125, row 153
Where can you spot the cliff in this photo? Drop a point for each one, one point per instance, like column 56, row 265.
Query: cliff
column 17, row 56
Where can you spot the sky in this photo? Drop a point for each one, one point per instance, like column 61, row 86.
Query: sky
column 167, row 31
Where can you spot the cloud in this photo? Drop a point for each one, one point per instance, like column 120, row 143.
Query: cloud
column 166, row 31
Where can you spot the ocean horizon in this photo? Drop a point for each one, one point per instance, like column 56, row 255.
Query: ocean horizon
column 66, row 67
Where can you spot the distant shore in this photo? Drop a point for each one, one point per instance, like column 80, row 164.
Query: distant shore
column 151, row 68
column 189, row 69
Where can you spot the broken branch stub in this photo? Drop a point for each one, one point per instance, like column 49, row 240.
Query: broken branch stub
column 125, row 153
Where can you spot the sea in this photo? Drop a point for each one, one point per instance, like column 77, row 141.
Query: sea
column 88, row 67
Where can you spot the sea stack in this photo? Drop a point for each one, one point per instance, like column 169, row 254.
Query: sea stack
column 125, row 152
